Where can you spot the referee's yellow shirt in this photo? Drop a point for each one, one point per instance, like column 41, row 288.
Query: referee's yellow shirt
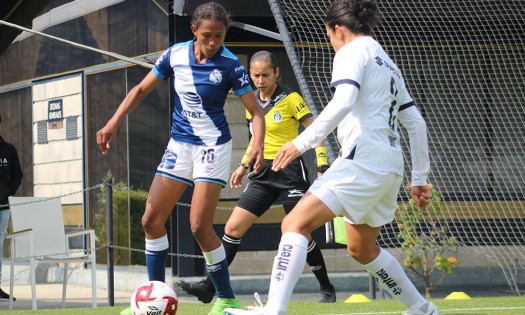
column 282, row 114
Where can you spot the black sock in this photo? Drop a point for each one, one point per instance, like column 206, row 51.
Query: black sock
column 315, row 260
column 231, row 245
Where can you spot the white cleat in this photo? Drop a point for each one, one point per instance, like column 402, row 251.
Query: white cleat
column 258, row 309
column 431, row 309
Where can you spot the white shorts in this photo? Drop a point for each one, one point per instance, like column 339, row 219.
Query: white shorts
column 188, row 163
column 362, row 195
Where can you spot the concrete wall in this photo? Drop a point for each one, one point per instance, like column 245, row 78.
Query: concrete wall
column 58, row 164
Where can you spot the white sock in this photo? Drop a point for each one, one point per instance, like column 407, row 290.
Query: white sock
column 215, row 256
column 394, row 280
column 157, row 244
column 288, row 265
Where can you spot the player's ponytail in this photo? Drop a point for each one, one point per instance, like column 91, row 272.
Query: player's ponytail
column 359, row 16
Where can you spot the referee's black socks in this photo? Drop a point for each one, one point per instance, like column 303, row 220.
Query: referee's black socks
column 315, row 260
column 231, row 245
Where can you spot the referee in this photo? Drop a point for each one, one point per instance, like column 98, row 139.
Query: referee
column 283, row 110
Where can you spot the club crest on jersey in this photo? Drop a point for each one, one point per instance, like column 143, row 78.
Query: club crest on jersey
column 216, row 76
column 192, row 99
column 277, row 117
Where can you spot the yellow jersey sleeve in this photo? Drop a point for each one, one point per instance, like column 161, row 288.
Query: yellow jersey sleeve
column 298, row 106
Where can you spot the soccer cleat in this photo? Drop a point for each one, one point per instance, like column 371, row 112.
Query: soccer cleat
column 258, row 309
column 328, row 295
column 431, row 309
column 5, row 296
column 126, row 311
column 202, row 290
column 221, row 304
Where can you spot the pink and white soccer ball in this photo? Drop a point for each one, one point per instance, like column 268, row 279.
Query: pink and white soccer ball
column 154, row 298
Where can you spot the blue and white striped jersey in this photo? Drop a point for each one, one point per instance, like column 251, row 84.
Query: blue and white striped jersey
column 200, row 92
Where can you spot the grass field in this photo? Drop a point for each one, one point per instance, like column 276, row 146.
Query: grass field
column 475, row 306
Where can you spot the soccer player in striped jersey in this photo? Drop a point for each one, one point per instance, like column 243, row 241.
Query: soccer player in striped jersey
column 370, row 99
column 284, row 110
column 199, row 151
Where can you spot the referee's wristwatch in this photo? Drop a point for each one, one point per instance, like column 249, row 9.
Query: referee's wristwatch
column 244, row 165
column 321, row 169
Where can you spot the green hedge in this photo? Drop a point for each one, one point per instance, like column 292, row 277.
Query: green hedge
column 128, row 208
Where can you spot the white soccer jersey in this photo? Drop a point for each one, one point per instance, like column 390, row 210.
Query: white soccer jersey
column 200, row 92
column 367, row 123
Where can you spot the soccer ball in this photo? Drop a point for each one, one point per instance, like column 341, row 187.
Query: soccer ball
column 154, row 298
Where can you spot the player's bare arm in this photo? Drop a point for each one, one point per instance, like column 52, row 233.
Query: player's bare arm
column 258, row 127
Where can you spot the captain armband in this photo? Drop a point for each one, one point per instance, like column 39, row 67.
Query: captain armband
column 321, row 156
column 246, row 154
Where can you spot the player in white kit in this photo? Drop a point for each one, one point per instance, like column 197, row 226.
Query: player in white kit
column 362, row 184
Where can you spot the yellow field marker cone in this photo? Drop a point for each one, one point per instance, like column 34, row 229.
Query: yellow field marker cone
column 457, row 296
column 357, row 298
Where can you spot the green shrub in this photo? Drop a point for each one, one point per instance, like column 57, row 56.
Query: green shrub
column 425, row 241
column 128, row 208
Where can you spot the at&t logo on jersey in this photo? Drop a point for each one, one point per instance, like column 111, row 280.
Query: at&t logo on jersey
column 216, row 76
column 192, row 99
column 277, row 117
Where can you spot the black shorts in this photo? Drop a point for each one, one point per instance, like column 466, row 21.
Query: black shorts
column 289, row 184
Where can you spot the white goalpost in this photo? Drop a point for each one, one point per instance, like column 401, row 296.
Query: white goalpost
column 463, row 61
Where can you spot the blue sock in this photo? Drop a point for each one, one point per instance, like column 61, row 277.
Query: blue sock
column 217, row 268
column 156, row 253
